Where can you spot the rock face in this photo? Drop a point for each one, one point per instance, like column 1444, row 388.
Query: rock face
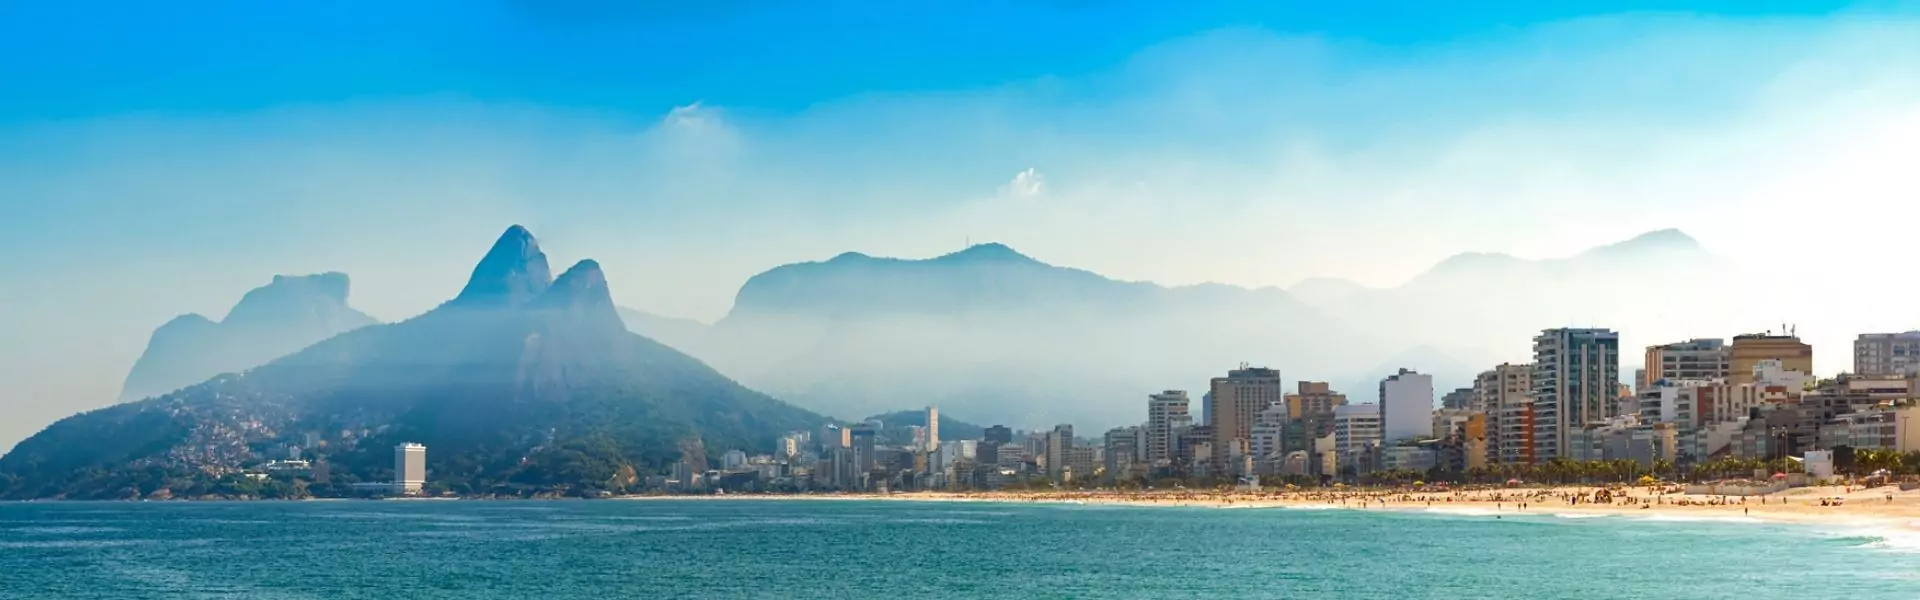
column 512, row 273
column 269, row 322
column 511, row 391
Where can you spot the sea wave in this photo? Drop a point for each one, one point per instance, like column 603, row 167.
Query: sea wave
column 1463, row 512
column 1672, row 518
column 1579, row 515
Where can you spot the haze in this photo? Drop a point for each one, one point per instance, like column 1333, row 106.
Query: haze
column 153, row 165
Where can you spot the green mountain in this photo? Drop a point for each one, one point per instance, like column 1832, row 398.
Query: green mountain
column 519, row 385
column 898, row 424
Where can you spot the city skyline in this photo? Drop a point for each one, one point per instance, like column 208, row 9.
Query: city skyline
column 1320, row 149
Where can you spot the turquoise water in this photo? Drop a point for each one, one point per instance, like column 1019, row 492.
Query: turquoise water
column 867, row 549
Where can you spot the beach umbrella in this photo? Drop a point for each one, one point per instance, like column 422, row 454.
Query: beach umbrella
column 1779, row 475
column 1513, row 482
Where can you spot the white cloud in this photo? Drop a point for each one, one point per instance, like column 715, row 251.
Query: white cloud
column 1026, row 184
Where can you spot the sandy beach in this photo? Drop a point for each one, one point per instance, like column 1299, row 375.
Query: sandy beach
column 1879, row 507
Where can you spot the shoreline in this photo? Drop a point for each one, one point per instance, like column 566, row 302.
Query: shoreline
column 1862, row 507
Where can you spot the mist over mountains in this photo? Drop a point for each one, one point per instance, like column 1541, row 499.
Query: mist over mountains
column 521, row 384
column 991, row 332
column 269, row 322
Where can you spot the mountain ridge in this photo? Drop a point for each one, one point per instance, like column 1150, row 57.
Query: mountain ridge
column 289, row 313
column 513, row 395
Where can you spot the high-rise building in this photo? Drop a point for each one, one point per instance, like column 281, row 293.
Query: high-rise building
column 409, row 468
column 1703, row 358
column 834, row 436
column 861, row 440
column 1458, row 399
column 1576, row 378
column 733, row 460
column 1406, row 406
column 1059, row 443
column 998, row 434
column 1356, row 428
column 1121, row 451
column 1503, row 393
column 1748, row 350
column 1314, row 400
column 933, row 427
column 1232, row 404
column 1881, row 354
column 1163, row 411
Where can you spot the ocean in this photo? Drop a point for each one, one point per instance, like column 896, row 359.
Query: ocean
column 890, row 549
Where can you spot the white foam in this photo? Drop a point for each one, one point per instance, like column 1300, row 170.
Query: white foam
column 1311, row 507
column 1464, row 512
column 1672, row 518
column 1579, row 515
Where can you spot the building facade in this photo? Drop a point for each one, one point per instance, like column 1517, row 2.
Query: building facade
column 1887, row 353
column 1748, row 350
column 1356, row 432
column 1232, row 403
column 1503, row 394
column 1164, row 411
column 1575, row 382
column 1406, row 406
column 1704, row 358
column 409, row 468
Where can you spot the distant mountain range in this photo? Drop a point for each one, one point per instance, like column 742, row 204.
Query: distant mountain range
column 269, row 322
column 987, row 331
column 521, row 384
column 990, row 331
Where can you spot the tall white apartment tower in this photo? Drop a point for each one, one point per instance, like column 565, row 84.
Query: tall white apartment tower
column 409, row 468
column 933, row 428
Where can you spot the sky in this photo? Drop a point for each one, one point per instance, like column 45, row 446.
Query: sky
column 163, row 158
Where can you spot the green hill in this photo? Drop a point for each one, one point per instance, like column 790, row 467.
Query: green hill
column 520, row 385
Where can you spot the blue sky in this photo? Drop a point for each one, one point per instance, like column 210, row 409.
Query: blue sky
column 162, row 158
column 90, row 59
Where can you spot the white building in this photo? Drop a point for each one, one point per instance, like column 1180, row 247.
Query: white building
column 409, row 468
column 1165, row 411
column 1269, row 426
column 933, row 428
column 1355, row 428
column 1406, row 406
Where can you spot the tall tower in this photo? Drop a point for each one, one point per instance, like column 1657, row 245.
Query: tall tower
column 1231, row 406
column 933, row 428
column 1576, row 382
column 409, row 468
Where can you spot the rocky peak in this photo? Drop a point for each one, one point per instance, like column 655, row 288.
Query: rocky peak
column 512, row 273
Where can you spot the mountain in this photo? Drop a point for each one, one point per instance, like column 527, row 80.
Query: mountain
column 990, row 331
column 519, row 385
column 269, row 322
column 1659, row 286
column 1449, row 372
column 681, row 334
column 1318, row 291
column 901, row 421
